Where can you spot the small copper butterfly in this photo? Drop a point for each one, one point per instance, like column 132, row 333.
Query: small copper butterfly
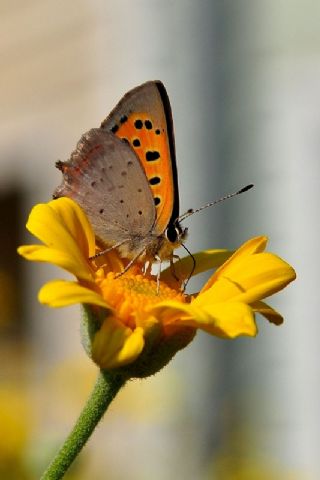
column 124, row 176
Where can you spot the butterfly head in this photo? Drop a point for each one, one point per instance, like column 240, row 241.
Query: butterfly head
column 175, row 234
column 172, row 238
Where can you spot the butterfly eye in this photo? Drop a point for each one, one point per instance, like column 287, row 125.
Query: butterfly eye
column 174, row 233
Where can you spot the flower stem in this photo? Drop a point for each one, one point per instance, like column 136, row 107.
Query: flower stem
column 105, row 389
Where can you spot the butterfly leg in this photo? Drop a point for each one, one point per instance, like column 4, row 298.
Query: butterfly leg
column 129, row 265
column 103, row 252
column 159, row 273
column 147, row 268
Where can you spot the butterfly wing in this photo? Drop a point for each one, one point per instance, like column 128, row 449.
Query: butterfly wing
column 105, row 177
column 143, row 117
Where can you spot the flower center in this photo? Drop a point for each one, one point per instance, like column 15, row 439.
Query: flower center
column 130, row 295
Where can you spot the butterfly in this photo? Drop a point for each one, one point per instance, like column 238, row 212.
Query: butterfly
column 124, row 176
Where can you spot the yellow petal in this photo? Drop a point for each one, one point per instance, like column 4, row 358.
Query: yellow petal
column 41, row 253
column 60, row 293
column 169, row 311
column 226, row 320
column 251, row 247
column 76, row 222
column 115, row 345
column 249, row 279
column 273, row 276
column 223, row 290
column 62, row 226
column 204, row 261
column 268, row 312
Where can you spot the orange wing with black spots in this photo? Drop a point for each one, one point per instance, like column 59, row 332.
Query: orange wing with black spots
column 143, row 117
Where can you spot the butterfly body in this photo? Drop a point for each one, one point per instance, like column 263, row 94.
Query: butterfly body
column 124, row 176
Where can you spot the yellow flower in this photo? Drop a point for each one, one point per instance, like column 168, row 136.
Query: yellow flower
column 130, row 326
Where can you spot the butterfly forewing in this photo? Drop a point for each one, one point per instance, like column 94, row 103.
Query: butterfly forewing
column 103, row 176
column 143, row 117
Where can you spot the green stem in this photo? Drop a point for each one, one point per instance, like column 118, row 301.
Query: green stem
column 105, row 389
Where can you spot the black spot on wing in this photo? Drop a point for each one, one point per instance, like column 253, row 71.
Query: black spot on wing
column 154, row 180
column 151, row 156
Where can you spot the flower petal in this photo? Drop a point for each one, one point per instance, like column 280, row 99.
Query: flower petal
column 41, row 253
column 268, row 312
column 62, row 226
column 226, row 320
column 76, row 223
column 249, row 279
column 269, row 274
column 250, row 247
column 204, row 261
column 223, row 290
column 115, row 345
column 60, row 293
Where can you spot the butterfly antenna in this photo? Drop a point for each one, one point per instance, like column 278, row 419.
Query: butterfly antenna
column 191, row 211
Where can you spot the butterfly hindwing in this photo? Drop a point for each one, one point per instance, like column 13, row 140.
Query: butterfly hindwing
column 103, row 176
column 143, row 117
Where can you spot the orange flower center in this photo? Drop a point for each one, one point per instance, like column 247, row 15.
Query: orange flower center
column 131, row 294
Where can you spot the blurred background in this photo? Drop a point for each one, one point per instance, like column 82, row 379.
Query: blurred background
column 243, row 78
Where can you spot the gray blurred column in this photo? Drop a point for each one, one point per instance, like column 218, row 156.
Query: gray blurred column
column 268, row 100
